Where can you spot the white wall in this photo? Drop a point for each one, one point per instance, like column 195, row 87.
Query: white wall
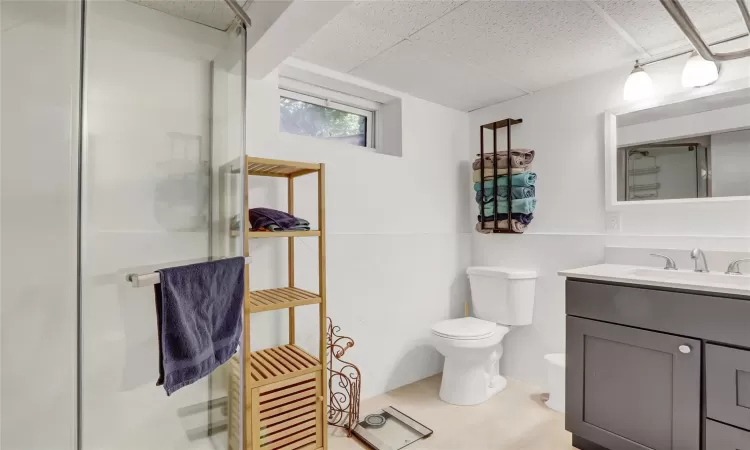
column 397, row 244
column 564, row 124
column 40, row 57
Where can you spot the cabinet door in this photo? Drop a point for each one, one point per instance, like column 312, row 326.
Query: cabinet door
column 288, row 414
column 728, row 385
column 724, row 437
column 632, row 389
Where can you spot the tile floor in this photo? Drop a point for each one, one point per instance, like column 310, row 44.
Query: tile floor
column 514, row 419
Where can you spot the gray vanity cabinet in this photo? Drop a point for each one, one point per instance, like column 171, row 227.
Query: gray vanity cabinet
column 652, row 368
column 634, row 389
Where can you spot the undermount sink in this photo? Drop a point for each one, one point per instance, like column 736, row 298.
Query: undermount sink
column 692, row 277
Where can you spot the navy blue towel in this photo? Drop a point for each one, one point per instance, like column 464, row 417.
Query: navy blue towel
column 272, row 220
column 199, row 319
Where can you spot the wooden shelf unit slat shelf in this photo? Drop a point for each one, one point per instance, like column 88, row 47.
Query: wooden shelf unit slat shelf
column 264, row 167
column 275, row 364
column 285, row 388
column 277, row 234
column 272, row 299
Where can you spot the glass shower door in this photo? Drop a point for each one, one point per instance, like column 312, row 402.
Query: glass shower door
column 162, row 114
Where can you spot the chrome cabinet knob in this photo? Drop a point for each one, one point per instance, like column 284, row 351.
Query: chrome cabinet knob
column 684, row 348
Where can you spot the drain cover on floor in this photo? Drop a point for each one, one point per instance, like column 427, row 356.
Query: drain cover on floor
column 390, row 429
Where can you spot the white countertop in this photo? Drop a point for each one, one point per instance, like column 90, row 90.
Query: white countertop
column 713, row 282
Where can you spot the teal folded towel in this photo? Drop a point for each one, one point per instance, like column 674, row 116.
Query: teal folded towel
column 502, row 193
column 520, row 179
column 521, row 206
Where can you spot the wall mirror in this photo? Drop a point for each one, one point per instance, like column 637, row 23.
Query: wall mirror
column 691, row 147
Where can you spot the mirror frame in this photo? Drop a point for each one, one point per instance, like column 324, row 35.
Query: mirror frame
column 741, row 87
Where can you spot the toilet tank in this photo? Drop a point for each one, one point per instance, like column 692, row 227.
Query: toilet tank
column 502, row 295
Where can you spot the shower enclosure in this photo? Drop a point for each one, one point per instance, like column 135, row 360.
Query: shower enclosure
column 120, row 124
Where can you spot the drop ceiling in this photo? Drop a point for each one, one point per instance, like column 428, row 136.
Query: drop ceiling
column 470, row 54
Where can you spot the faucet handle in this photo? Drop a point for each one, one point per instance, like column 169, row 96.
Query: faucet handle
column 668, row 262
column 734, row 267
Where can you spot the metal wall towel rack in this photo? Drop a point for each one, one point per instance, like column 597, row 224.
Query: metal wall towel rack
column 150, row 279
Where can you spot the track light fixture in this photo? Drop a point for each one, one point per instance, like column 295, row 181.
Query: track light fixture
column 698, row 72
column 638, row 85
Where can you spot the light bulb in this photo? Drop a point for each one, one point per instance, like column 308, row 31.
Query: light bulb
column 638, row 85
column 698, row 72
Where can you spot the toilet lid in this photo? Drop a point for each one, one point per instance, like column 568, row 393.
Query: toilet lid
column 464, row 328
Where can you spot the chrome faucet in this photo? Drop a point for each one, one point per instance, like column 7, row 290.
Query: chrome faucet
column 700, row 260
column 734, row 267
column 668, row 262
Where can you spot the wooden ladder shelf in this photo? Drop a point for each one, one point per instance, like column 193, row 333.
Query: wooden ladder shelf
column 285, row 387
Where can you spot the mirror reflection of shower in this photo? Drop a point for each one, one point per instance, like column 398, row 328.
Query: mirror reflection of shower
column 696, row 167
column 713, row 165
column 666, row 171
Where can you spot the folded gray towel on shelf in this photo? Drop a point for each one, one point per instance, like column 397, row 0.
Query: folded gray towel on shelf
column 199, row 319
column 520, row 157
column 268, row 219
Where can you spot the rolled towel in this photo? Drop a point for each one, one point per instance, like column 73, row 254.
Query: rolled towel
column 521, row 205
column 502, row 193
column 520, row 157
column 523, row 218
column 486, row 227
column 519, row 180
column 489, row 172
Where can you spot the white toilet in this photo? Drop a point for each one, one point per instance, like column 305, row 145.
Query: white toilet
column 501, row 297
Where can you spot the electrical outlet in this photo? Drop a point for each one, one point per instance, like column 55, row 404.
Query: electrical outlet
column 613, row 222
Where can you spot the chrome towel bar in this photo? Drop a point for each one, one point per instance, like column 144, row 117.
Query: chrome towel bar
column 150, row 279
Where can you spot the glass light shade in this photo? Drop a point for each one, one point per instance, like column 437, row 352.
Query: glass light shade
column 638, row 85
column 699, row 72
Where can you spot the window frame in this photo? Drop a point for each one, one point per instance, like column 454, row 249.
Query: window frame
column 324, row 98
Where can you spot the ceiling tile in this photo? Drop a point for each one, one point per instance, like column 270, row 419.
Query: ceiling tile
column 367, row 28
column 345, row 43
column 401, row 18
column 212, row 13
column 715, row 15
column 531, row 44
column 651, row 26
column 411, row 67
column 646, row 21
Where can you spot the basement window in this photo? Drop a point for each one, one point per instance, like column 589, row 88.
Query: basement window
column 323, row 117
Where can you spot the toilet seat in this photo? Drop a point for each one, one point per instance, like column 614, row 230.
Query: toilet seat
column 466, row 328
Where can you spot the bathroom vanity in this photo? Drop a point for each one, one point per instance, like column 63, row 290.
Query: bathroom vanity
column 657, row 359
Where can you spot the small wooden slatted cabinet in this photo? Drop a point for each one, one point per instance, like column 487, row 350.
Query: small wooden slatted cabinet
column 285, row 387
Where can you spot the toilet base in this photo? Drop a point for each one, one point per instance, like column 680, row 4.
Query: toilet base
column 466, row 386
